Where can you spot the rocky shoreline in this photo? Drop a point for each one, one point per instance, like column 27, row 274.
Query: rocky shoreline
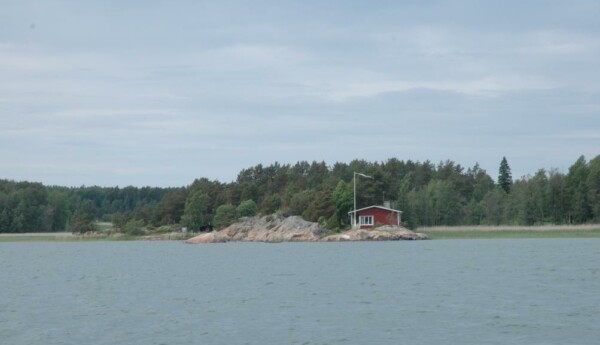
column 273, row 229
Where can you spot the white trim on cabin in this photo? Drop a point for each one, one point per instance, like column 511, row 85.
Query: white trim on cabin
column 366, row 220
column 375, row 206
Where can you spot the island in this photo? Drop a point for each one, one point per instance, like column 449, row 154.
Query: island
column 276, row 228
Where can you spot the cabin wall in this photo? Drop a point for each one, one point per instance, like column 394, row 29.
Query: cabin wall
column 380, row 217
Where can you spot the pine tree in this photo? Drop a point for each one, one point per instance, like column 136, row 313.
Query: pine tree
column 504, row 176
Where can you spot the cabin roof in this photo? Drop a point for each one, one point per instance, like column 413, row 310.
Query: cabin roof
column 375, row 206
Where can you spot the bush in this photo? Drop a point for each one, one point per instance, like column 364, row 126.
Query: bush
column 134, row 228
column 82, row 223
column 247, row 208
column 333, row 223
column 225, row 215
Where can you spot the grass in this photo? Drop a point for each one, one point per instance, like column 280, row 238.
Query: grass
column 545, row 231
column 105, row 232
column 68, row 237
column 37, row 237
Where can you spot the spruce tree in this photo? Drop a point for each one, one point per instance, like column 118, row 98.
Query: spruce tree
column 504, row 176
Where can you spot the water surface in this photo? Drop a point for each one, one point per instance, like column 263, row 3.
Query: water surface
column 539, row 291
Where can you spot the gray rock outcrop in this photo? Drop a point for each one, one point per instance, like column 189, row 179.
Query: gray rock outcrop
column 384, row 233
column 295, row 229
column 265, row 229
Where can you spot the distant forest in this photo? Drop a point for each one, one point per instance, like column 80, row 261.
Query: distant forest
column 428, row 194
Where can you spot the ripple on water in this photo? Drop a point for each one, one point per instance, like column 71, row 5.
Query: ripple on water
column 517, row 292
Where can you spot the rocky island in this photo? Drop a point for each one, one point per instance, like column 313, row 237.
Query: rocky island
column 276, row 228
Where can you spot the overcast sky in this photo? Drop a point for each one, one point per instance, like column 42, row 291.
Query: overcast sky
column 162, row 92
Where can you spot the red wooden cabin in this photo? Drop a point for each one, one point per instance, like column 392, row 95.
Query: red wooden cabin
column 371, row 216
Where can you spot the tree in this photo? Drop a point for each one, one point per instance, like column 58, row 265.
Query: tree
column 557, row 197
column 540, row 194
column 82, row 223
column 593, row 187
column 320, row 207
column 271, row 203
column 505, row 176
column 443, row 204
column 482, row 182
column 224, row 216
column 171, row 207
column 299, row 202
column 576, row 184
column 404, row 204
column 58, row 201
column 134, row 227
column 343, row 200
column 195, row 215
column 521, row 208
column 494, row 203
column 247, row 208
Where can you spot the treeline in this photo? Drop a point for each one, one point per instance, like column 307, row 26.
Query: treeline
column 428, row 194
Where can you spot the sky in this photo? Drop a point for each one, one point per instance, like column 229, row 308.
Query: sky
column 159, row 93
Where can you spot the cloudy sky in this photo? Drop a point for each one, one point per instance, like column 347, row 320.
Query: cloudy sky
column 152, row 92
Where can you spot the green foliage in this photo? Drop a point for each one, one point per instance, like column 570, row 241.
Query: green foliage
column 320, row 207
column 494, row 205
column 436, row 204
column 270, row 204
column 196, row 213
column 119, row 219
column 428, row 194
column 299, row 202
column 342, row 198
column 225, row 215
column 134, row 227
column 593, row 187
column 333, row 223
column 247, row 208
column 81, row 223
column 504, row 176
column 576, row 185
column 171, row 207
column 59, row 204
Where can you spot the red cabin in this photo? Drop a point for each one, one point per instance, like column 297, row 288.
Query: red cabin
column 371, row 216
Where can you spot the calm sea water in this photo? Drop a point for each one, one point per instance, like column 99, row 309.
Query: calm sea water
column 542, row 291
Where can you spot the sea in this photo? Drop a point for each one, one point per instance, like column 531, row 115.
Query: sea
column 498, row 291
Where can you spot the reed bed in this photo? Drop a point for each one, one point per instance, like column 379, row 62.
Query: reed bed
column 541, row 231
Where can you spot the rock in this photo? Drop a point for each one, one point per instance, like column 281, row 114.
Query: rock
column 275, row 229
column 211, row 237
column 265, row 229
column 383, row 233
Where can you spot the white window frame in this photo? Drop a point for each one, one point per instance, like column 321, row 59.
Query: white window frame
column 363, row 220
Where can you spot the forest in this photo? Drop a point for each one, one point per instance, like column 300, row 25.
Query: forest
column 428, row 194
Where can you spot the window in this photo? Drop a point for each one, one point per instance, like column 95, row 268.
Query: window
column 366, row 220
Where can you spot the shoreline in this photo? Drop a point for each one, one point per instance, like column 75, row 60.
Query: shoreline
column 440, row 232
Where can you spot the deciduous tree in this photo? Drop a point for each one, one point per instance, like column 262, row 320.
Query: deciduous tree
column 196, row 214
column 247, row 208
column 224, row 216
